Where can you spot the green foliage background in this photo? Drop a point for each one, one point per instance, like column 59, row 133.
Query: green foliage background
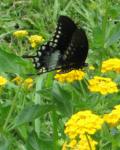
column 34, row 120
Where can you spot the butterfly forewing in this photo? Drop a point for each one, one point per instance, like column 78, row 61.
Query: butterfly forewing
column 64, row 32
column 60, row 41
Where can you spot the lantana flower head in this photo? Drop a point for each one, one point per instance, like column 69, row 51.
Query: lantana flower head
column 102, row 85
column 113, row 118
column 70, row 76
column 35, row 40
column 83, row 122
column 20, row 33
column 81, row 144
column 112, row 64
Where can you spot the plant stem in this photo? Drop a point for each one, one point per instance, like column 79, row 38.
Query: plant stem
column 88, row 141
column 10, row 111
column 55, row 132
column 82, row 89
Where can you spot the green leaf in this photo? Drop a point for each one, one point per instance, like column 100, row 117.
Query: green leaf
column 35, row 143
column 97, row 37
column 62, row 97
column 114, row 35
column 4, row 144
column 31, row 112
column 12, row 63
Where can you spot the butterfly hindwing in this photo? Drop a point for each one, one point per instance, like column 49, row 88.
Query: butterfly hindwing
column 75, row 55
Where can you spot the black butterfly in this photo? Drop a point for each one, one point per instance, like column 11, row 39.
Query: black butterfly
column 67, row 50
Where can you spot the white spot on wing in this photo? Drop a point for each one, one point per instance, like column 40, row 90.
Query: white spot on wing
column 59, row 32
column 69, row 48
column 51, row 43
column 67, row 52
column 43, row 47
column 38, row 65
column 54, row 45
column 55, row 40
column 36, row 59
column 59, row 28
column 43, row 69
column 64, row 57
column 57, row 36
column 39, row 53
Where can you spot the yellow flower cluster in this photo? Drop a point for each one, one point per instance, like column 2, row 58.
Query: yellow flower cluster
column 35, row 40
column 27, row 83
column 81, row 123
column 70, row 76
column 82, row 144
column 112, row 64
column 3, row 81
column 79, row 128
column 113, row 118
column 20, row 33
column 102, row 85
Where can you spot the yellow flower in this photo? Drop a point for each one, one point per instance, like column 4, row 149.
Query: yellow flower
column 70, row 76
column 64, row 146
column 91, row 67
column 84, row 143
column 113, row 118
column 18, row 80
column 102, row 85
column 81, row 123
column 112, row 64
column 35, row 40
column 28, row 82
column 3, row 80
column 20, row 33
column 72, row 143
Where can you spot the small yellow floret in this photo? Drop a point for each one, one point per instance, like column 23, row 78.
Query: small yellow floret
column 35, row 40
column 3, row 81
column 20, row 33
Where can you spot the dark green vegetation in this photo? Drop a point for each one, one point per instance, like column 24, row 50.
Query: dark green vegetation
column 34, row 119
